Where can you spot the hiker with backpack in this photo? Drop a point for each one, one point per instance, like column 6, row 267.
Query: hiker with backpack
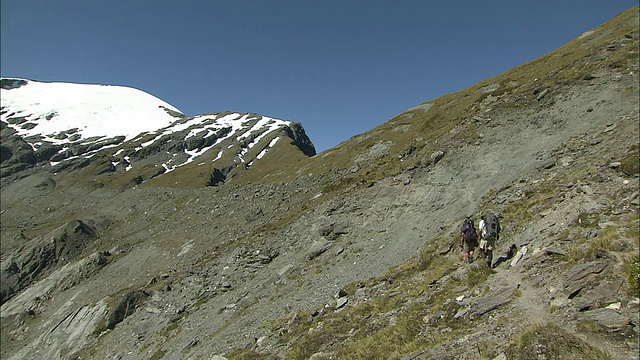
column 490, row 233
column 468, row 240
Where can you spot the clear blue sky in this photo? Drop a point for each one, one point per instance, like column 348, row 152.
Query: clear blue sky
column 340, row 67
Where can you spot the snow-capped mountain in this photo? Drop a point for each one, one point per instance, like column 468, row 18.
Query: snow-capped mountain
column 56, row 111
column 61, row 125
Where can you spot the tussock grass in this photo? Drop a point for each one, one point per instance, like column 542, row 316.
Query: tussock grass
column 391, row 341
column 549, row 341
column 385, row 326
column 633, row 229
column 610, row 239
column 159, row 354
column 589, row 326
column 488, row 349
column 631, row 268
column 523, row 211
column 588, row 250
column 478, row 274
column 343, row 327
column 587, row 220
column 247, row 354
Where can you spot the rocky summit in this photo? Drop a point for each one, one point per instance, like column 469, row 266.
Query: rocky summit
column 132, row 231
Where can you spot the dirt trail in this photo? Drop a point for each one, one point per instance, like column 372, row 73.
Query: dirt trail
column 533, row 305
column 531, row 301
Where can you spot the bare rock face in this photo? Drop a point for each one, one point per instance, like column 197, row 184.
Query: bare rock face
column 9, row 84
column 41, row 255
column 127, row 306
column 15, row 153
column 296, row 132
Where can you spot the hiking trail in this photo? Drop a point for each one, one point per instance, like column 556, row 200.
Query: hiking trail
column 533, row 304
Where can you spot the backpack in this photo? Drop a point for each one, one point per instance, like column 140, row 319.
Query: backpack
column 492, row 226
column 469, row 231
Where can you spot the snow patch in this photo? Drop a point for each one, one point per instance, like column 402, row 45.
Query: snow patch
column 264, row 151
column 101, row 111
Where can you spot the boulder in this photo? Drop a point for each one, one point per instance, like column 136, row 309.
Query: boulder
column 436, row 157
column 580, row 275
column 542, row 94
column 604, row 293
column 317, row 248
column 43, row 254
column 491, row 302
column 341, row 302
column 127, row 306
column 217, row 178
column 331, row 231
column 606, row 317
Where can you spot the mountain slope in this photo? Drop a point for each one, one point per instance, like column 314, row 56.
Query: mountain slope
column 352, row 253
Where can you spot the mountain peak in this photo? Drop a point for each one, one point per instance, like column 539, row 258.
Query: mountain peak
column 64, row 124
column 50, row 110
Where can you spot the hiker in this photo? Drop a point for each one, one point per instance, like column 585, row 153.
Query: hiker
column 468, row 240
column 489, row 233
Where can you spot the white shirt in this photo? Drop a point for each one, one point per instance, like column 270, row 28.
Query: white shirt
column 483, row 229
